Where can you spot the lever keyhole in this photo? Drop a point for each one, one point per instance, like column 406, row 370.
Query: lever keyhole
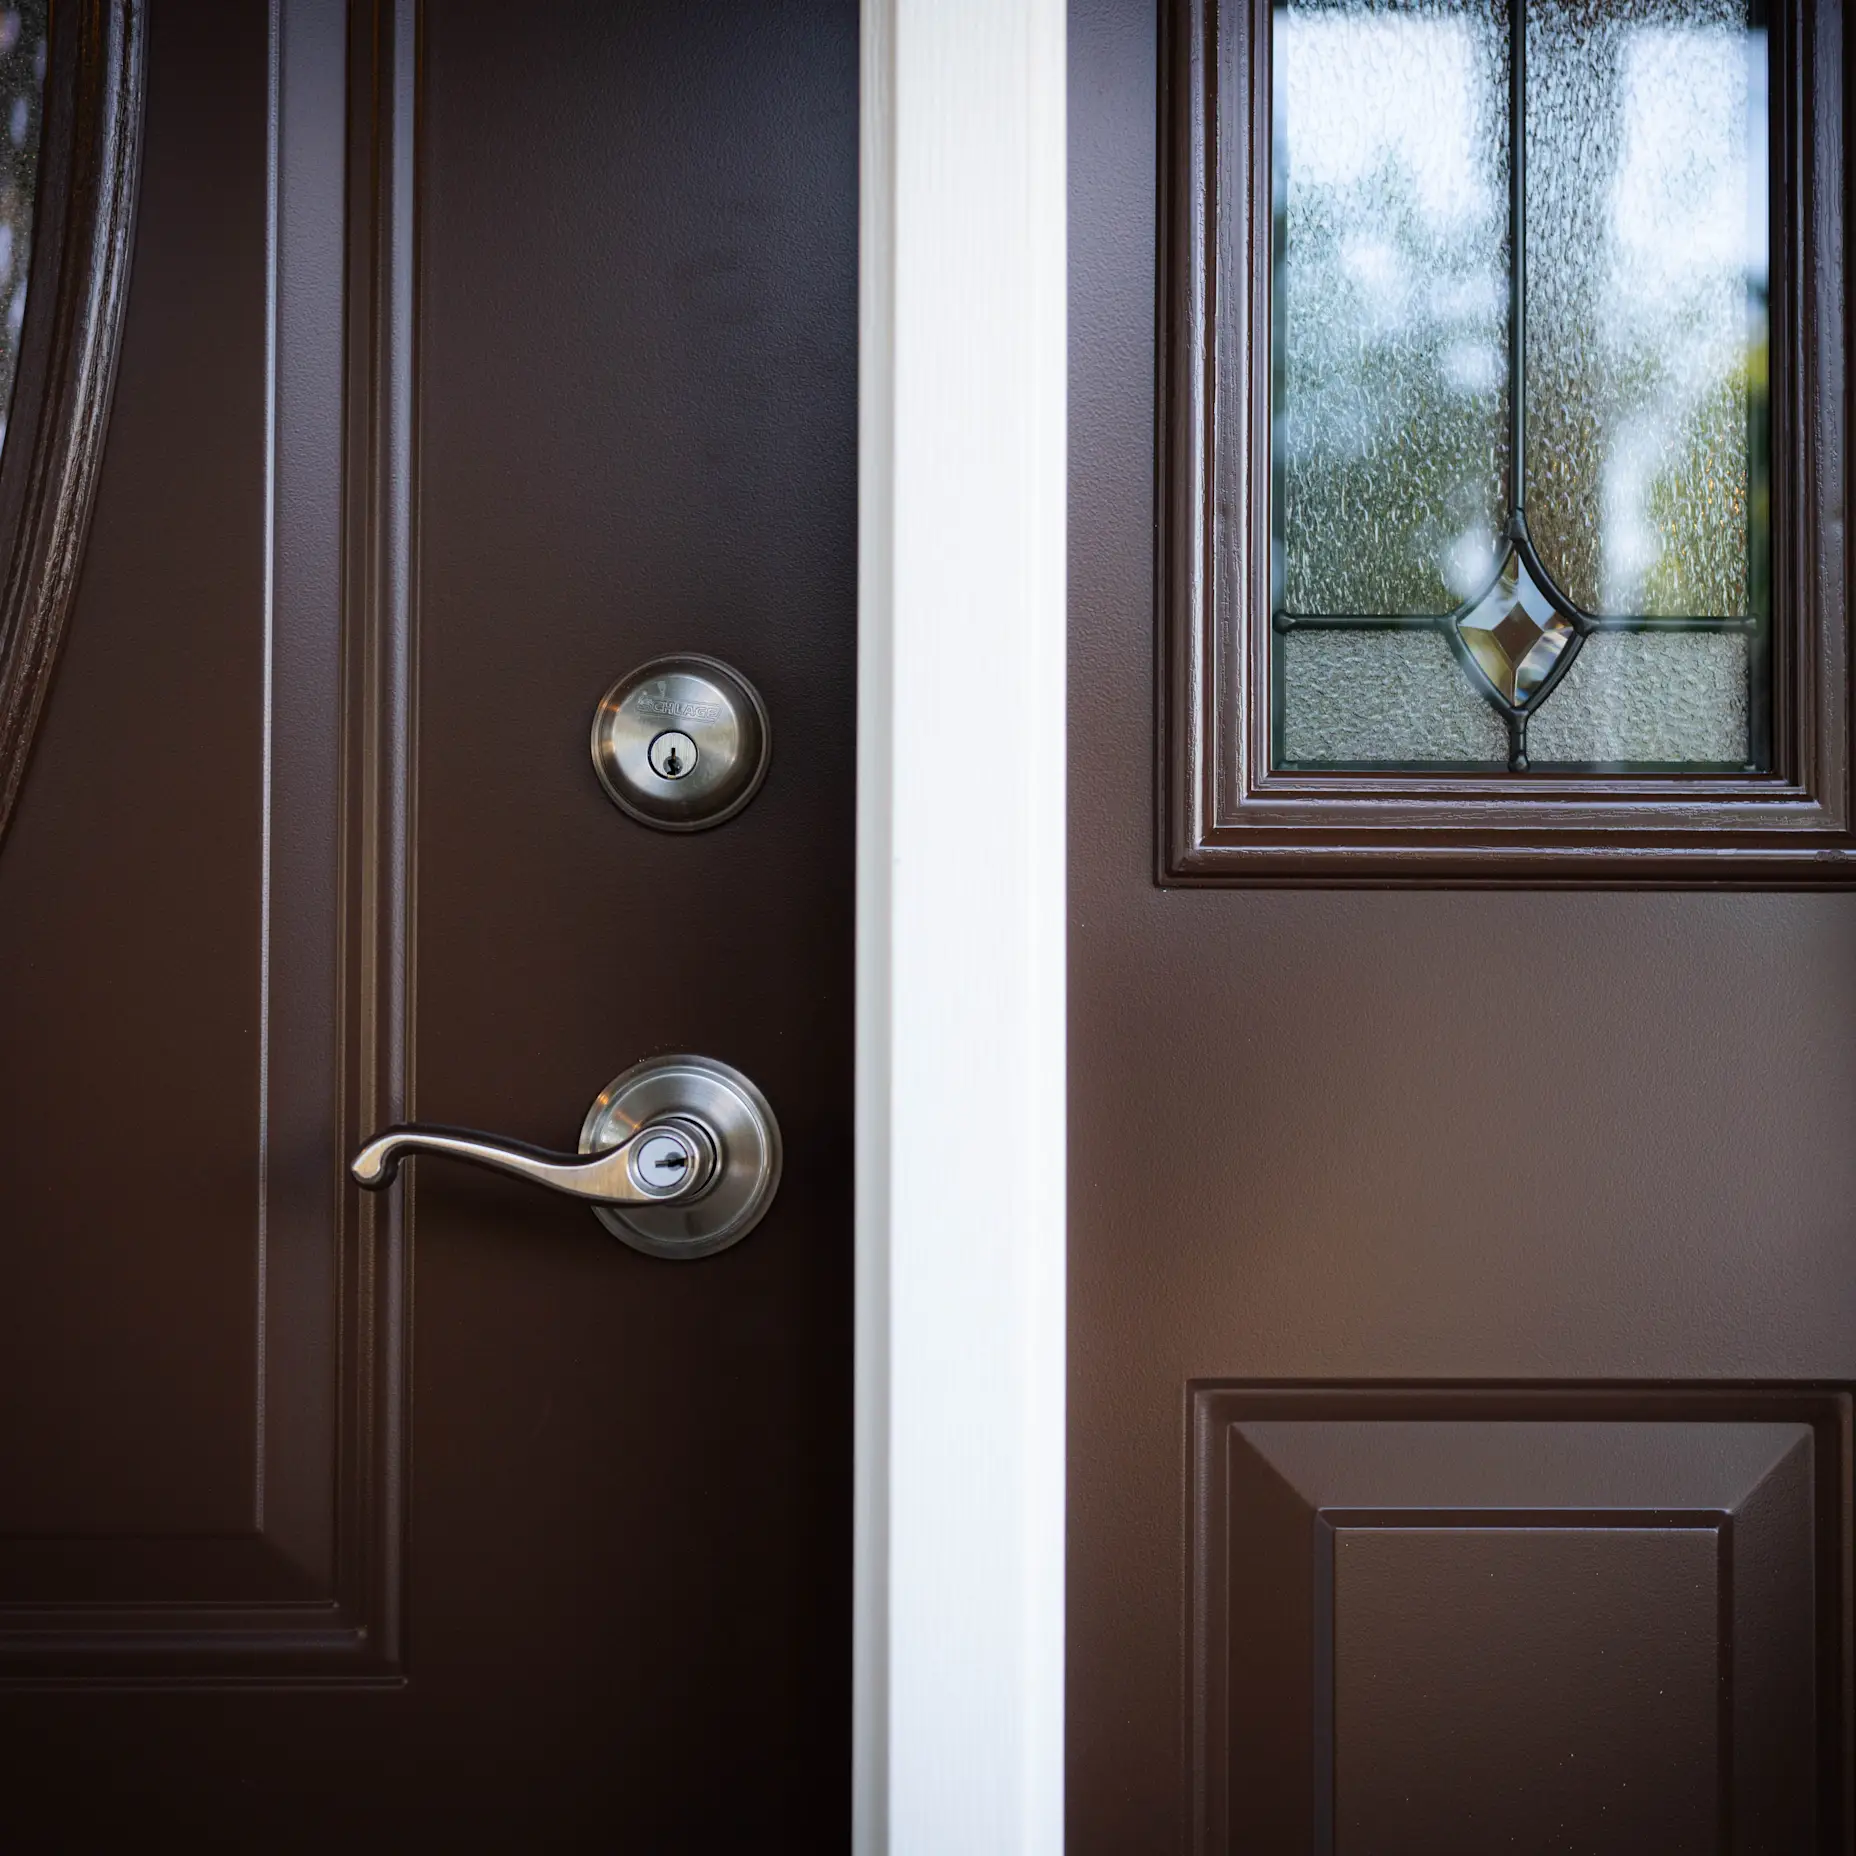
column 664, row 1159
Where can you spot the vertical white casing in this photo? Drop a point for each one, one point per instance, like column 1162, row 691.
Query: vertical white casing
column 961, row 1078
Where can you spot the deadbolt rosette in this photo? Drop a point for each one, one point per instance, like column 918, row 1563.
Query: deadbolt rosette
column 681, row 743
column 731, row 1113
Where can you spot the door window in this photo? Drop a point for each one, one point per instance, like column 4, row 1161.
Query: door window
column 1518, row 425
column 1503, row 438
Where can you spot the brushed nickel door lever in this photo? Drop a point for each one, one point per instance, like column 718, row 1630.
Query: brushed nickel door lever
column 668, row 1161
column 679, row 1157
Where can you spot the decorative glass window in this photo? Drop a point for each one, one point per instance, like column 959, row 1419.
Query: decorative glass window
column 1503, row 434
column 1519, row 421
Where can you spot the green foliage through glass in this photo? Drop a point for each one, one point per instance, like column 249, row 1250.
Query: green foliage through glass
column 1519, row 358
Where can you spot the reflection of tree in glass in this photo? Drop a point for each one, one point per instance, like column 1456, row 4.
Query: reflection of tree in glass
column 1645, row 364
column 1697, row 506
column 1392, row 299
column 22, row 86
column 1645, row 118
column 1644, row 235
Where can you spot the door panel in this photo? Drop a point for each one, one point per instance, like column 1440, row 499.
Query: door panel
column 1571, row 1143
column 129, row 1334
column 439, row 1515
column 1400, row 1599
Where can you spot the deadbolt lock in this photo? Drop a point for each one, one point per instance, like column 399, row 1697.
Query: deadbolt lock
column 681, row 743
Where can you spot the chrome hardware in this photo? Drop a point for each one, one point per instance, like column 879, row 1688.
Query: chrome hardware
column 681, row 743
column 682, row 1157
column 615, row 1177
column 672, row 1159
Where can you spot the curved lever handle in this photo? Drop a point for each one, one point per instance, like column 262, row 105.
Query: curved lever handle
column 667, row 1162
column 679, row 1157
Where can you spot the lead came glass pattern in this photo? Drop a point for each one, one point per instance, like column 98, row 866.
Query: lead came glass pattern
column 1519, row 402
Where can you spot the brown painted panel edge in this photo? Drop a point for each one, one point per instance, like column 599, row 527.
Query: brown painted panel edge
column 1224, row 818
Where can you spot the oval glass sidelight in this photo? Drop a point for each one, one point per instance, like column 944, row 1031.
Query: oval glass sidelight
column 71, row 84
column 23, row 53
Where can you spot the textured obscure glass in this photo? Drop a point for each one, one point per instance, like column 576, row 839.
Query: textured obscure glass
column 1633, row 632
column 1353, row 698
column 22, row 84
column 1391, row 179
column 1649, row 698
column 1646, row 282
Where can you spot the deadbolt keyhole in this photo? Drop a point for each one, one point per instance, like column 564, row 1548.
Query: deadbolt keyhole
column 673, row 755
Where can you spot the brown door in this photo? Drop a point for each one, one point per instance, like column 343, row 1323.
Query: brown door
column 473, row 356
column 1463, row 1278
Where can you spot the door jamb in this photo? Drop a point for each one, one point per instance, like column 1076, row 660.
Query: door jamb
column 958, row 1607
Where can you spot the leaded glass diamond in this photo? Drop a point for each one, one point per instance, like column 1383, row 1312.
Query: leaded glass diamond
column 1515, row 634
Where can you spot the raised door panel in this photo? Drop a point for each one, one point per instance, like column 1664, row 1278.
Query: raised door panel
column 1463, row 1620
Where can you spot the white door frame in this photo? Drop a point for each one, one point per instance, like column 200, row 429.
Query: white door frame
column 958, row 1737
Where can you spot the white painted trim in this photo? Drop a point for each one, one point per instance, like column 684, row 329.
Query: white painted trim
column 960, row 1141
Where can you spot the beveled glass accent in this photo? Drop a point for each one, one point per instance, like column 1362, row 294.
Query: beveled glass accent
column 1515, row 635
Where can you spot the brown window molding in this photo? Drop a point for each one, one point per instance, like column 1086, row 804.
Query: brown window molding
column 1227, row 816
column 83, row 236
